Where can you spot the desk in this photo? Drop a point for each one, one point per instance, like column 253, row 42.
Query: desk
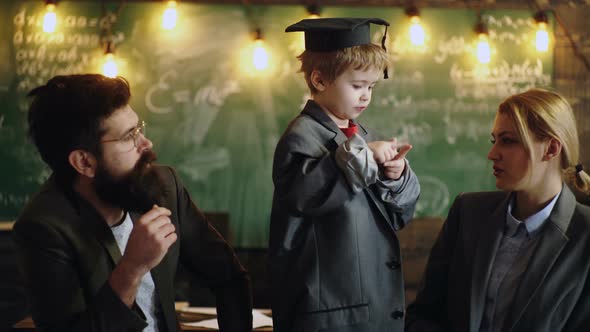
column 27, row 324
column 6, row 225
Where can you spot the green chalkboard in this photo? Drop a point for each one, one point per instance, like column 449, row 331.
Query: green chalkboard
column 217, row 122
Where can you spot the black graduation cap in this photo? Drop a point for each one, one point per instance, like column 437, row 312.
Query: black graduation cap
column 330, row 34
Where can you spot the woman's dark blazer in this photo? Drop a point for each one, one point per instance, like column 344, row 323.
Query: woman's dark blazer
column 554, row 292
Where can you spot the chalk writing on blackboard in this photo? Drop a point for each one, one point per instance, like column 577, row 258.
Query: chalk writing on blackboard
column 500, row 81
column 453, row 45
column 209, row 94
column 507, row 22
column 13, row 199
column 199, row 165
column 419, row 134
column 470, row 130
column 40, row 56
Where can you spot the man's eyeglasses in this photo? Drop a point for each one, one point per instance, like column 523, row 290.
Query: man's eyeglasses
column 133, row 135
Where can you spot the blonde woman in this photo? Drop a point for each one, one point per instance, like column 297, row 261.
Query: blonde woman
column 519, row 259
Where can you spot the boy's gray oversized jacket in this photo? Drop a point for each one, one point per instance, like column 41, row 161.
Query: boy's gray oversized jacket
column 333, row 253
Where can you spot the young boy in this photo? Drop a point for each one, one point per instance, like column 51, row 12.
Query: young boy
column 340, row 195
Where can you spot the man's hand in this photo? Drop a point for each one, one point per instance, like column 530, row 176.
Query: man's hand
column 149, row 241
column 394, row 168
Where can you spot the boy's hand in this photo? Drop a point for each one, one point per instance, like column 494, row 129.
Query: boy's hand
column 383, row 150
column 394, row 168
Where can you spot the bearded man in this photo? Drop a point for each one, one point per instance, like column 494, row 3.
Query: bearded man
column 100, row 242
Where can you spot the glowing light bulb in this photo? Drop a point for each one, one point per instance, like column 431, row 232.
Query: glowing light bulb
column 50, row 18
column 109, row 68
column 483, row 51
column 313, row 11
column 260, row 59
column 542, row 40
column 170, row 16
column 417, row 35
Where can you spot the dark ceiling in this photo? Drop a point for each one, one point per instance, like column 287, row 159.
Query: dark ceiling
column 489, row 4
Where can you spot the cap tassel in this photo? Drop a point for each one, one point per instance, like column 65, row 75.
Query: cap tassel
column 385, row 75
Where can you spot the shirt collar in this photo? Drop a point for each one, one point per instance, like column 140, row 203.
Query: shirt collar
column 532, row 223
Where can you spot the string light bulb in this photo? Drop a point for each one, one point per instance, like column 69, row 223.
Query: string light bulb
column 483, row 51
column 260, row 55
column 109, row 68
column 170, row 16
column 50, row 18
column 313, row 11
column 542, row 35
column 416, row 31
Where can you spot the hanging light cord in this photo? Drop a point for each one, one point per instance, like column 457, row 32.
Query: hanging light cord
column 107, row 32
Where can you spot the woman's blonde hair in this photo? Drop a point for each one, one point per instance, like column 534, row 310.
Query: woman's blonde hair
column 333, row 64
column 548, row 115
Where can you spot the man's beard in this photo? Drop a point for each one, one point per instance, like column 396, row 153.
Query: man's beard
column 137, row 191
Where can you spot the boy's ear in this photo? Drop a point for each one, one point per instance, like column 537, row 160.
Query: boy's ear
column 317, row 81
column 83, row 162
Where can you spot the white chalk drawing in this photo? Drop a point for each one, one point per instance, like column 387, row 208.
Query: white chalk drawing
column 199, row 165
column 454, row 45
column 40, row 56
column 499, row 81
column 418, row 134
column 505, row 30
column 469, row 130
column 434, row 196
column 410, row 106
column 508, row 22
column 8, row 199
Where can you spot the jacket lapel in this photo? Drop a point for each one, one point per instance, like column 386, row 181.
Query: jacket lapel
column 552, row 240
column 100, row 230
column 162, row 281
column 488, row 242
column 315, row 111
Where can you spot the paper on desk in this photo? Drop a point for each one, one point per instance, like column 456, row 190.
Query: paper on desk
column 200, row 310
column 258, row 320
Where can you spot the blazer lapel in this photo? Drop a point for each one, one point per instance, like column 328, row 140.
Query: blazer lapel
column 100, row 230
column 315, row 111
column 552, row 240
column 488, row 242
column 162, row 280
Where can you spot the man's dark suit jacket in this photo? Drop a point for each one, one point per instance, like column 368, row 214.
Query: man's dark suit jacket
column 68, row 252
column 554, row 292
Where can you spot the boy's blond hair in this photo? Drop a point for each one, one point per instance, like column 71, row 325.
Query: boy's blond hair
column 333, row 64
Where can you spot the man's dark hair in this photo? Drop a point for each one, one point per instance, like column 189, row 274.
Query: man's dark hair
column 66, row 114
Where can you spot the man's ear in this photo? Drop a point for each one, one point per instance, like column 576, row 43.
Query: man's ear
column 317, row 81
column 552, row 149
column 83, row 162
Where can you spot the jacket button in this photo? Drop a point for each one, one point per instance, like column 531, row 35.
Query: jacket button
column 397, row 314
column 393, row 265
